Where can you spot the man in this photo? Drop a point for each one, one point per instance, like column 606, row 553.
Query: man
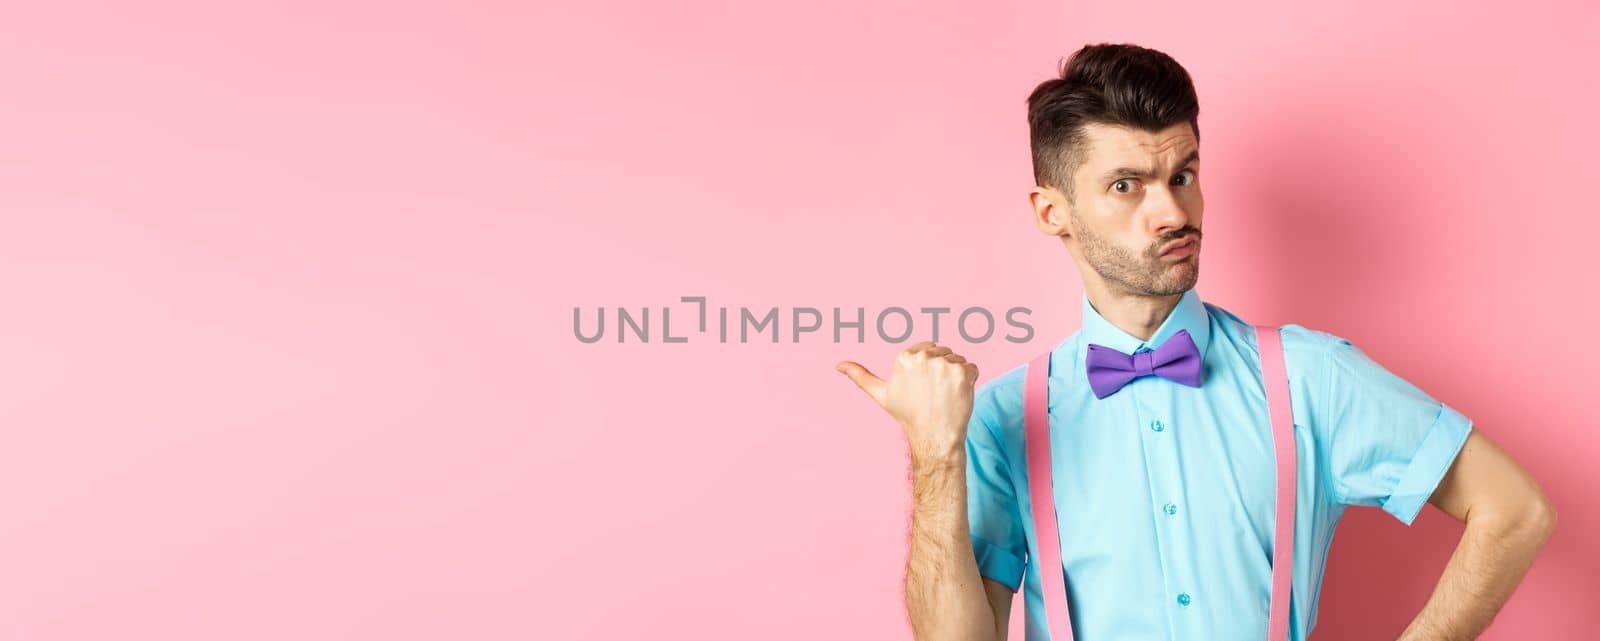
column 1164, row 489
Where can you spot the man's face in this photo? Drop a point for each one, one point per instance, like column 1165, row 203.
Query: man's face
column 1136, row 193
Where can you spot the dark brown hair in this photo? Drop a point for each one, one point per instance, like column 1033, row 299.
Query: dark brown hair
column 1111, row 84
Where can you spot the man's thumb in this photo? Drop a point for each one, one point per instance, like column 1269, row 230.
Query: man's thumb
column 863, row 379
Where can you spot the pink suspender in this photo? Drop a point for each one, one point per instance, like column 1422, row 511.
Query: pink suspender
column 1269, row 342
column 1036, row 439
column 1036, row 434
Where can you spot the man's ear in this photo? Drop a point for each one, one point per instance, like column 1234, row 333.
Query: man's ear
column 1050, row 211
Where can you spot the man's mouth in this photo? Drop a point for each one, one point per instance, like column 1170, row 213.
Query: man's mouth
column 1180, row 247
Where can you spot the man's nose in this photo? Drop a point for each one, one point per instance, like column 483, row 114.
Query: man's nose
column 1168, row 214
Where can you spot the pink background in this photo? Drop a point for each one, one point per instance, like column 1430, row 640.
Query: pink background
column 288, row 351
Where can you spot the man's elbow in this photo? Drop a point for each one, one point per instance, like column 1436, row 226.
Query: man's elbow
column 1542, row 518
column 1529, row 516
column 1532, row 519
column 1539, row 514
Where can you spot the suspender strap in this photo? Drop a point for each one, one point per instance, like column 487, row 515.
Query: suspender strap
column 1269, row 342
column 1041, row 495
column 1036, row 437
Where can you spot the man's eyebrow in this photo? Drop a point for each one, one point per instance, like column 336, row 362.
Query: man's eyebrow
column 1132, row 172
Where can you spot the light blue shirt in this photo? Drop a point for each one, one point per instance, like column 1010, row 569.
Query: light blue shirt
column 1164, row 492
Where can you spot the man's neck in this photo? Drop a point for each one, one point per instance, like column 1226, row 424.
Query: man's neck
column 1139, row 316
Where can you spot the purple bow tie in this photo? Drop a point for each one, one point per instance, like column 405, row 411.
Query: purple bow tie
column 1177, row 359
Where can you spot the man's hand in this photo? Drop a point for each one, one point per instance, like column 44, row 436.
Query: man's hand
column 930, row 394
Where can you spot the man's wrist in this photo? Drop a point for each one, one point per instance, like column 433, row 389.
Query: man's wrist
column 939, row 460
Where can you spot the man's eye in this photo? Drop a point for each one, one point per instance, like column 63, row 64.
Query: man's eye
column 1119, row 189
column 1189, row 180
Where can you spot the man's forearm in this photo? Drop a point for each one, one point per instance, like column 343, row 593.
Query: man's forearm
column 1489, row 562
column 944, row 592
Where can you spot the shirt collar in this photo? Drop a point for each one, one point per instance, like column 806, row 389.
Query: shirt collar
column 1189, row 314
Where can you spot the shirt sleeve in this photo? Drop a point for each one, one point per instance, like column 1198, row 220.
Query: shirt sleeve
column 998, row 541
column 1391, row 443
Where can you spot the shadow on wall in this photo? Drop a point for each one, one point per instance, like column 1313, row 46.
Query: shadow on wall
column 1333, row 183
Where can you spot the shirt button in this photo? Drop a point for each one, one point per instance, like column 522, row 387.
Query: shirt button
column 1157, row 426
column 1183, row 598
column 1170, row 509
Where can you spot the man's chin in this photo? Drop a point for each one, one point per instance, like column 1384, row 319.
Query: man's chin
column 1178, row 278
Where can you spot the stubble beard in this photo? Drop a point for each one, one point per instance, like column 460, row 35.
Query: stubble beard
column 1145, row 275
